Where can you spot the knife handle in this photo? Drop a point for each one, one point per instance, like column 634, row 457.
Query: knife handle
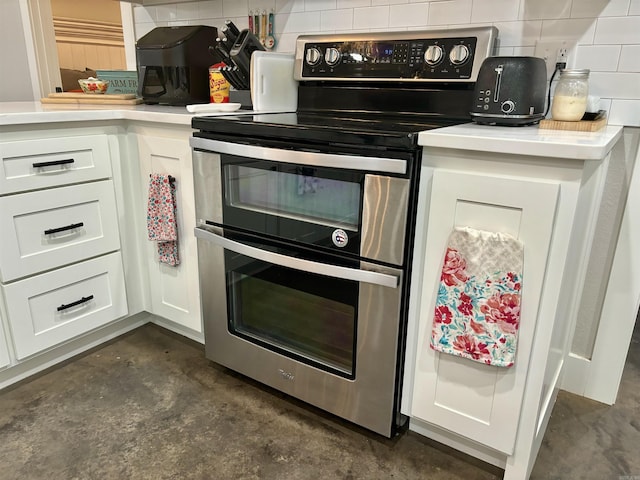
column 232, row 27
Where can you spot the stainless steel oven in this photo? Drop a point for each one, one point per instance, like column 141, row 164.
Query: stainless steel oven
column 304, row 272
column 305, row 220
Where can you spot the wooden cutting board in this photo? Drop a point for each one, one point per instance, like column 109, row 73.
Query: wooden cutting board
column 580, row 126
column 90, row 98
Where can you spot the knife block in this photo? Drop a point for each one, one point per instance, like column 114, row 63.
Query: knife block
column 243, row 97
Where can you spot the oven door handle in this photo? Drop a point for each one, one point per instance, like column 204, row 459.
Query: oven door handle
column 327, row 160
column 335, row 271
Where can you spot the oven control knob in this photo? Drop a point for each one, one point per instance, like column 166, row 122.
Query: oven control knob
column 313, row 56
column 507, row 106
column 433, row 55
column 459, row 54
column 332, row 56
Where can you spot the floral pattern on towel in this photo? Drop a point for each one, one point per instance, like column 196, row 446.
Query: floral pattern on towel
column 161, row 218
column 476, row 318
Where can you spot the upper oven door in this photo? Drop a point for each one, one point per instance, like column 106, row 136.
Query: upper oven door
column 338, row 203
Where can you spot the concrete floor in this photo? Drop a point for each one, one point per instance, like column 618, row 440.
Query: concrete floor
column 150, row 406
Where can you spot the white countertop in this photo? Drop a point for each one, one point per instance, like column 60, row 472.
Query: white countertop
column 531, row 140
column 20, row 113
column 511, row 140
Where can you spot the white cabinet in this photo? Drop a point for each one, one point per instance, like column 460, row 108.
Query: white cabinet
column 48, row 309
column 549, row 200
column 4, row 348
column 174, row 290
column 53, row 227
column 60, row 262
column 52, row 162
column 481, row 402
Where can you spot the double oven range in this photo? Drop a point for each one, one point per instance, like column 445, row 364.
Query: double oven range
column 305, row 220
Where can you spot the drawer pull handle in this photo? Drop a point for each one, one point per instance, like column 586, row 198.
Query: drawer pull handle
column 62, row 229
column 76, row 303
column 53, row 163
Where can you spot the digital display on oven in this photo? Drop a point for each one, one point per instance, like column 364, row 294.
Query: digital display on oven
column 383, row 51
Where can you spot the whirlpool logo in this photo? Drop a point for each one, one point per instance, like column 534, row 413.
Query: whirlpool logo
column 340, row 238
column 286, row 375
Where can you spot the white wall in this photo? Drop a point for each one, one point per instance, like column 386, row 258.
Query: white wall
column 15, row 83
column 603, row 35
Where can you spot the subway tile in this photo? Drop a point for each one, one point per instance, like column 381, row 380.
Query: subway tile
column 261, row 5
column 187, row 11
column 450, row 12
column 317, row 5
column 524, row 51
column 142, row 15
column 178, row 23
column 624, row 112
column 494, row 11
column 545, row 9
column 618, row 85
column 409, row 15
column 288, row 6
column 240, row 22
column 634, row 8
column 331, row 20
column 629, row 59
column 599, row 58
column 618, row 30
column 298, row 22
column 286, row 43
column 235, row 8
column 505, row 51
column 518, row 34
column 141, row 29
column 210, row 9
column 166, row 13
column 371, row 17
column 387, row 2
column 599, row 8
column 353, row 3
column 573, row 31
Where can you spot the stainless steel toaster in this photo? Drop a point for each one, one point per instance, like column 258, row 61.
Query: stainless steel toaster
column 510, row 91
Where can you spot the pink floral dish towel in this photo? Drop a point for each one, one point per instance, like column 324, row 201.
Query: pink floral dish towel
column 477, row 313
column 161, row 217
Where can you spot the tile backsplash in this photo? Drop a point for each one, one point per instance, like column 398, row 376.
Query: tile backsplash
column 602, row 35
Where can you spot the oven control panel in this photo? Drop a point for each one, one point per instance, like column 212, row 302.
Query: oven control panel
column 435, row 56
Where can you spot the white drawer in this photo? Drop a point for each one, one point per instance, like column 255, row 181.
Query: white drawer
column 51, row 308
column 50, row 162
column 50, row 228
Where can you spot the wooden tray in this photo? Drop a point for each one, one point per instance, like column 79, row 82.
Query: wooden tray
column 90, row 98
column 580, row 126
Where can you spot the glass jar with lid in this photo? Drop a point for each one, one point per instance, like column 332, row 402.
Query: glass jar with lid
column 570, row 96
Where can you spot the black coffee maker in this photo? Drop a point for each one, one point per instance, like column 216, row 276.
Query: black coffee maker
column 173, row 64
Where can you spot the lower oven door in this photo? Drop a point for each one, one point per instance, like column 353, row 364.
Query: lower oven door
column 324, row 333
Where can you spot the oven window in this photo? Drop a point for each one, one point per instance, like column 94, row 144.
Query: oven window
column 302, row 315
column 298, row 193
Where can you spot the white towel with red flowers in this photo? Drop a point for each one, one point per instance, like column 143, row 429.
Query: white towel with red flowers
column 477, row 313
column 161, row 218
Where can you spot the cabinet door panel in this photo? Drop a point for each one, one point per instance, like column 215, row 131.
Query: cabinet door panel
column 481, row 402
column 53, row 307
column 50, row 162
column 174, row 290
column 50, row 228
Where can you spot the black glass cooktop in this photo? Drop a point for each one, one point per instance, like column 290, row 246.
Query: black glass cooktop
column 353, row 129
